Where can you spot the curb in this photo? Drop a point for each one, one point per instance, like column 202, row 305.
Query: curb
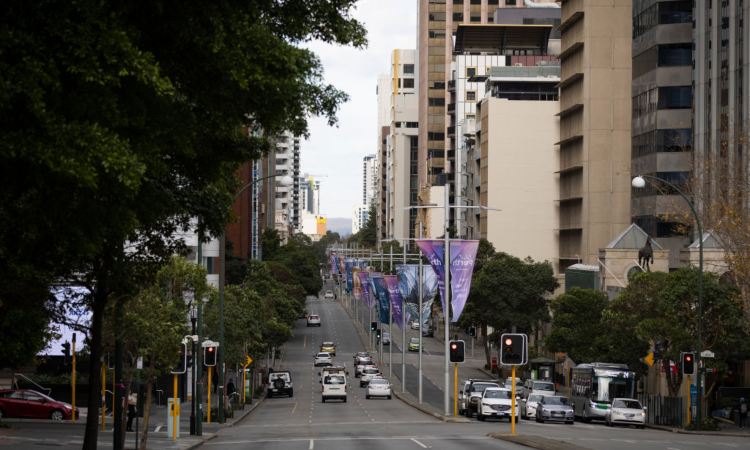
column 537, row 442
column 700, row 433
column 245, row 413
column 201, row 442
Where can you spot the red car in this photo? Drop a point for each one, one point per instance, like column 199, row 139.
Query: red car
column 30, row 404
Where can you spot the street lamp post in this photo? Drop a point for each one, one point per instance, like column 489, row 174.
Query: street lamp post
column 287, row 180
column 640, row 182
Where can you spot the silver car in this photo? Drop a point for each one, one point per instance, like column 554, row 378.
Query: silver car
column 378, row 387
column 626, row 411
column 554, row 408
column 323, row 359
column 368, row 374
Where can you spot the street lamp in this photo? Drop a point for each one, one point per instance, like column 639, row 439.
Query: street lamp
column 639, row 182
column 286, row 180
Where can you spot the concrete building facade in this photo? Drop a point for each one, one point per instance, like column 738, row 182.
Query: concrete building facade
column 595, row 127
column 287, row 202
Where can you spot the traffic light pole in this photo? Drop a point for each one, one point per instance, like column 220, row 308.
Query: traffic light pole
column 73, row 376
column 447, row 302
column 513, row 401
column 455, row 389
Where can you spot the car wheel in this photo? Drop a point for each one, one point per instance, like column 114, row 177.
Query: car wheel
column 570, row 423
column 389, row 397
column 323, row 399
column 480, row 417
column 344, row 399
column 640, row 427
column 291, row 392
column 56, row 415
column 367, row 397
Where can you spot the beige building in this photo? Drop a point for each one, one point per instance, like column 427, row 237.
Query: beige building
column 517, row 162
column 595, row 122
column 437, row 24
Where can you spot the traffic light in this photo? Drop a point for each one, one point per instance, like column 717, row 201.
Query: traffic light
column 473, row 331
column 209, row 355
column 373, row 326
column 513, row 349
column 688, row 363
column 66, row 351
column 181, row 366
column 377, row 333
column 456, row 351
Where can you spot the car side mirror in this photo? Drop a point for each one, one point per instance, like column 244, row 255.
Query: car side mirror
column 645, row 409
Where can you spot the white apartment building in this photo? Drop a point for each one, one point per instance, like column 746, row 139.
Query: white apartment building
column 287, row 202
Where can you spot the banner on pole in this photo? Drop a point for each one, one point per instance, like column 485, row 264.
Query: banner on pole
column 463, row 253
column 394, row 294
column 381, row 290
column 349, row 265
column 364, row 281
column 357, row 283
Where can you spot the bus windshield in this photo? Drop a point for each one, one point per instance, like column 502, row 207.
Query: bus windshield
column 607, row 388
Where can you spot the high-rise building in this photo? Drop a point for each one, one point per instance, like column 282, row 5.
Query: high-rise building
column 721, row 119
column 595, row 111
column 662, row 129
column 383, row 92
column 287, row 205
column 369, row 179
column 438, row 20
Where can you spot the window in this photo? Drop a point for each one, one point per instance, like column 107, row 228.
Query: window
column 408, row 82
column 408, row 68
column 435, row 136
column 432, row 101
column 675, row 97
column 675, row 55
column 471, row 96
column 510, row 2
column 471, row 71
column 476, row 19
column 412, row 124
column 493, row 2
column 675, row 12
column 458, row 17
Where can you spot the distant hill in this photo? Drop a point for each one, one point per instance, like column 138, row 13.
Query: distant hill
column 340, row 225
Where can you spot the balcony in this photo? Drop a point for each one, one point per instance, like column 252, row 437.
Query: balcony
column 451, row 130
column 451, row 107
column 451, row 85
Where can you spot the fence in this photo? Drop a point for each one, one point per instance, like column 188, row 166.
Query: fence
column 666, row 411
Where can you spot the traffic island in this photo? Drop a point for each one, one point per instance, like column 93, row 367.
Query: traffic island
column 537, row 442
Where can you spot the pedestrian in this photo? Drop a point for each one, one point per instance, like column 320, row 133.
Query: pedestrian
column 230, row 388
column 132, row 410
column 743, row 412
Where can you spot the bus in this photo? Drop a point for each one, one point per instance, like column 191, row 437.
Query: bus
column 594, row 385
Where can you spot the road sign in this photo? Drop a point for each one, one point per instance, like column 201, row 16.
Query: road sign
column 248, row 360
column 649, row 359
column 693, row 394
column 708, row 354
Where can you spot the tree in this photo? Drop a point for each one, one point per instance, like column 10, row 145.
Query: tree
column 508, row 292
column 577, row 324
column 123, row 120
column 367, row 236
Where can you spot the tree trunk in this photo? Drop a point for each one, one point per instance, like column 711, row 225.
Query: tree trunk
column 94, row 386
column 124, row 415
column 147, row 405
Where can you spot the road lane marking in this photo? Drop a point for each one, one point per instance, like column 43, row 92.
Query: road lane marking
column 158, row 429
column 295, row 407
column 349, row 438
column 312, row 445
column 418, row 443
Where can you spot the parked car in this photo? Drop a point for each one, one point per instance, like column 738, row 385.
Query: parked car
column 280, row 383
column 554, row 408
column 626, row 411
column 538, row 387
column 414, row 324
column 323, row 359
column 496, row 402
column 378, row 387
column 31, row 404
column 428, row 331
column 313, row 320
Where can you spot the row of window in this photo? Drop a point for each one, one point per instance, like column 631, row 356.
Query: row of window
column 665, row 97
column 407, row 124
column 662, row 13
column 663, row 141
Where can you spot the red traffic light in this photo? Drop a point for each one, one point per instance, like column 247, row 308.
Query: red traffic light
column 454, row 346
column 210, row 349
column 688, row 358
column 508, row 341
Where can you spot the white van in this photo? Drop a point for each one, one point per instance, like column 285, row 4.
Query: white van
column 334, row 386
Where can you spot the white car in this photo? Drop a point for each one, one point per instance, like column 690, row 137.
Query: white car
column 378, row 387
column 539, row 387
column 313, row 320
column 496, row 402
column 323, row 359
column 367, row 375
column 386, row 338
column 528, row 406
column 362, row 365
column 626, row 411
column 334, row 387
column 328, row 295
column 414, row 324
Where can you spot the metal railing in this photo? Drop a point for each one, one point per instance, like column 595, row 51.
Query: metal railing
column 47, row 391
column 666, row 411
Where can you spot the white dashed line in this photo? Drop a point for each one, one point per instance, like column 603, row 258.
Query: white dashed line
column 418, row 443
column 312, row 445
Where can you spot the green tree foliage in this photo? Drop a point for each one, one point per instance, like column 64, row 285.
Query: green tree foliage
column 577, row 326
column 367, row 236
column 299, row 256
column 507, row 292
column 120, row 120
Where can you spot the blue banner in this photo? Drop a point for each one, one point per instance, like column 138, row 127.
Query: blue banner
column 348, row 266
column 381, row 290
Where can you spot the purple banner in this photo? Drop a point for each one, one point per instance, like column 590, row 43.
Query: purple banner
column 364, row 279
column 381, row 290
column 395, row 296
column 462, row 257
column 357, row 284
column 334, row 264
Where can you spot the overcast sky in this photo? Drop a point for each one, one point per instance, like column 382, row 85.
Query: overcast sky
column 338, row 152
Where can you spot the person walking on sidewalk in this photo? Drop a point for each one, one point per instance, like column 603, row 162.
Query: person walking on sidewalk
column 743, row 412
column 132, row 410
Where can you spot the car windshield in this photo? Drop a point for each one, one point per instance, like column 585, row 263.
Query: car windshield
column 543, row 387
column 379, row 381
column 414, row 341
column 371, row 371
column 534, row 398
column 630, row 404
column 334, row 379
column 324, row 355
column 555, row 401
column 496, row 393
column 480, row 387
column 283, row 376
column 328, row 344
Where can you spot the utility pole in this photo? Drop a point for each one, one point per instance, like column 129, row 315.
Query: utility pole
column 447, row 309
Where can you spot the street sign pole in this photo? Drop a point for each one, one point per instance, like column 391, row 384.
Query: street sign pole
column 455, row 389
column 513, row 401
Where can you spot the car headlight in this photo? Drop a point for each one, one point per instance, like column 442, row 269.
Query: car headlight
column 643, row 414
column 486, row 404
